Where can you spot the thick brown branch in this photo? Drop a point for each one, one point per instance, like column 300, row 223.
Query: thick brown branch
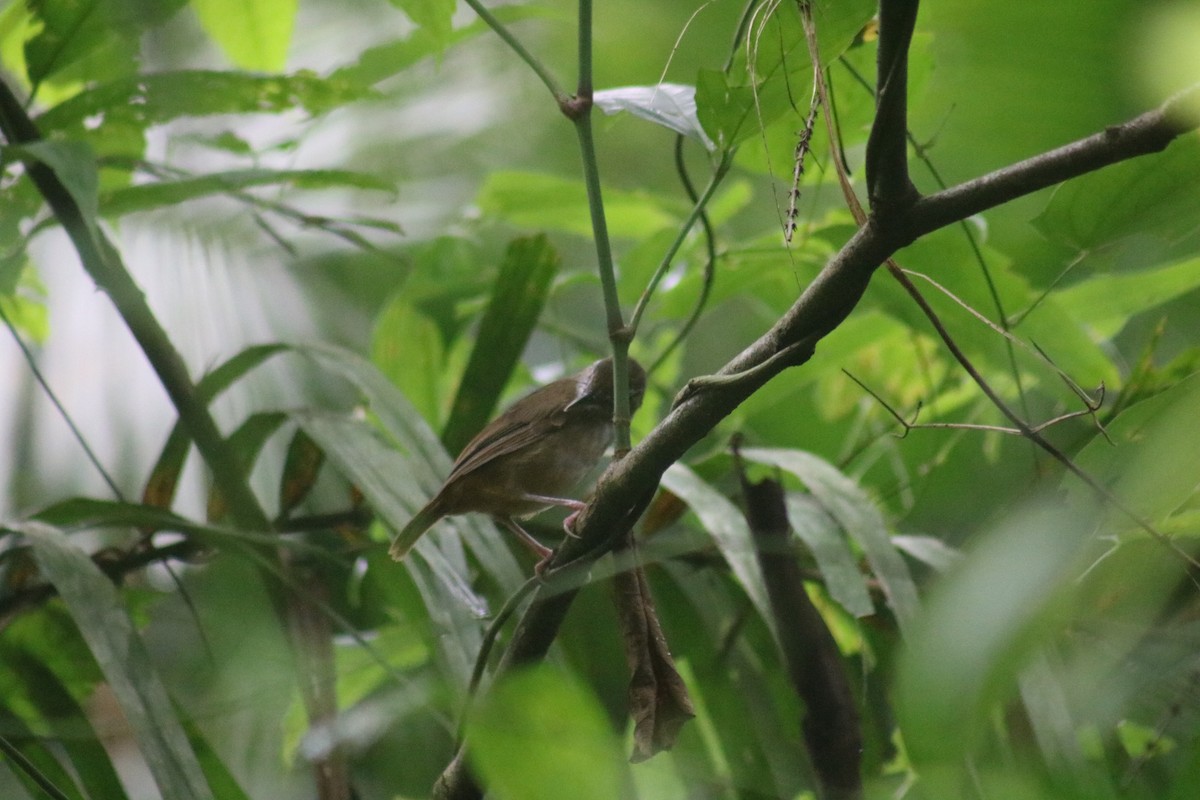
column 888, row 183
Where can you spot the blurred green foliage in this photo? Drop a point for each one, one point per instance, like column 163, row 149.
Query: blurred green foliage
column 404, row 174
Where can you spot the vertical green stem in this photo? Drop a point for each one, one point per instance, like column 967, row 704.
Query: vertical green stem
column 585, row 50
column 580, row 112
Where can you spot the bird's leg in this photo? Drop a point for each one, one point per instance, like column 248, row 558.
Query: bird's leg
column 565, row 502
column 537, row 548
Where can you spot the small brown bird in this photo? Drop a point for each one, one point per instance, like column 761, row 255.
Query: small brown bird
column 528, row 457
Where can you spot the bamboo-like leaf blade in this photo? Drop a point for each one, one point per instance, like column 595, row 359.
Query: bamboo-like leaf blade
column 836, row 561
column 726, row 524
column 857, row 514
column 122, row 657
column 512, row 313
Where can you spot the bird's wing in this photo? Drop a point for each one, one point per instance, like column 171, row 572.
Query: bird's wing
column 518, row 427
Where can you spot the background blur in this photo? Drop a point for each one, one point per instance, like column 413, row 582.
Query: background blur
column 1051, row 653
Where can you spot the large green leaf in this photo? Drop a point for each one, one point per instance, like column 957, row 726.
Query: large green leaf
column 982, row 627
column 533, row 200
column 96, row 35
column 122, row 657
column 773, row 73
column 383, row 61
column 254, row 34
column 1150, row 458
column 1103, row 305
column 408, row 347
column 512, row 313
column 838, row 564
column 542, row 711
column 433, row 16
column 155, row 98
column 59, row 712
column 33, row 761
column 1057, row 86
column 74, row 164
column 1133, row 213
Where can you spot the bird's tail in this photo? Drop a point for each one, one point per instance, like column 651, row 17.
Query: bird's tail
column 417, row 526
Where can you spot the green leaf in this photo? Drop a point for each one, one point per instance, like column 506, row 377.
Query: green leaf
column 981, row 628
column 773, row 74
column 386, row 479
column 432, row 15
column 224, row 784
column 1169, row 62
column 386, row 60
column 101, row 35
column 858, row 515
column 512, row 314
column 541, row 711
column 254, row 34
column 164, row 477
column 247, row 442
column 33, row 761
column 838, row 564
column 85, row 513
column 672, row 105
column 58, row 708
column 122, row 657
column 1146, row 204
column 74, row 165
column 723, row 109
column 144, row 197
column 929, row 550
column 153, row 99
column 407, row 347
column 726, row 524
column 1151, row 456
column 25, row 307
column 1104, row 304
column 531, row 200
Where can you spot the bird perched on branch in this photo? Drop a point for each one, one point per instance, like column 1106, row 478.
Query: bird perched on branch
column 522, row 463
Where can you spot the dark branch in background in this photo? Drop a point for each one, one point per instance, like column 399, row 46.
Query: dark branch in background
column 832, row 729
column 888, row 183
column 312, row 636
column 115, row 565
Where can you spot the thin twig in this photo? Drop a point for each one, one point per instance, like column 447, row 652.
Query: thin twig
column 710, row 262
column 501, row 30
column 665, row 264
column 910, row 425
column 40, row 377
